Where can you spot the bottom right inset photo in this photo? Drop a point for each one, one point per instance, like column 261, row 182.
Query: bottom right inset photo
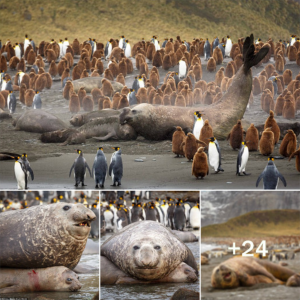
column 250, row 245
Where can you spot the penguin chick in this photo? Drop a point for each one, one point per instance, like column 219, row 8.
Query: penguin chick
column 200, row 165
column 177, row 139
column 236, row 135
column 288, row 144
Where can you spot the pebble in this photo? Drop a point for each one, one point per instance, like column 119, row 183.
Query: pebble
column 139, row 160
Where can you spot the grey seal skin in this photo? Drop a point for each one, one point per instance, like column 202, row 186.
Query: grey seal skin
column 38, row 121
column 90, row 83
column 157, row 122
column 52, row 279
column 147, row 250
column 44, row 236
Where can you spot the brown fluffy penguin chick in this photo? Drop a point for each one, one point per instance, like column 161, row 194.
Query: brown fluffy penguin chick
column 40, row 83
column 61, row 66
column 197, row 96
column 292, row 53
column 108, row 75
column 197, row 70
column 252, row 138
column 53, row 70
column 218, row 56
column 167, row 62
column 266, row 143
column 22, row 91
column 279, row 105
column 219, row 76
column 106, row 103
column 180, row 100
column 236, row 135
column 99, row 66
column 154, row 79
column 289, row 144
column 125, row 90
column 50, row 55
column 120, row 78
column 95, row 73
column 190, row 146
column 13, row 62
column 288, row 111
column 206, row 132
column 123, row 67
column 107, row 88
column 271, row 123
column 76, row 73
column 66, row 73
column 74, row 104
column 129, row 65
column 3, row 65
column 297, row 154
column 123, row 102
column 157, row 100
column 157, row 59
column 84, row 74
column 116, row 100
column 166, row 100
column 229, row 70
column 141, row 95
column 287, row 76
column 200, row 164
column 256, row 86
column 29, row 95
column 81, row 94
column 96, row 94
column 68, row 90
column 211, row 65
column 87, row 103
column 32, row 79
column 31, row 57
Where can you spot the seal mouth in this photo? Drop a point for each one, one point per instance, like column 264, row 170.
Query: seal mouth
column 227, row 276
column 146, row 268
column 84, row 224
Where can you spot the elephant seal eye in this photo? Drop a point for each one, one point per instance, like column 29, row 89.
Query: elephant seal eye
column 67, row 207
column 157, row 247
column 136, row 247
column 69, row 280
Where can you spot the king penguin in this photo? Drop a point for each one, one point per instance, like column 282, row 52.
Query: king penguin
column 182, row 69
column 17, row 51
column 127, row 49
column 21, row 74
column 215, row 43
column 99, row 169
column 135, row 84
column 214, row 155
column 65, row 46
column 11, row 102
column 9, row 86
column 141, row 82
column 27, row 166
column 270, row 176
column 207, row 50
column 109, row 218
column 179, row 216
column 274, row 82
column 195, row 216
column 242, row 159
column 60, row 44
column 228, row 46
column 121, row 42
column 222, row 47
column 20, row 174
column 108, row 49
column 116, row 167
column 37, row 101
column 79, row 167
column 198, row 124
column 131, row 97
column 26, row 42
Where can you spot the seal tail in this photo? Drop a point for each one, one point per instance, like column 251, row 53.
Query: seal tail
column 251, row 59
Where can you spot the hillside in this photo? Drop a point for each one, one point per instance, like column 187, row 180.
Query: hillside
column 268, row 223
column 104, row 19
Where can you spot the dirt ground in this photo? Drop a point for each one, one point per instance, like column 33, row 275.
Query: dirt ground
column 257, row 292
column 159, row 169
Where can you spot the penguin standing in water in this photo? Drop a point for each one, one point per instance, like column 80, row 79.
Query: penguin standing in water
column 242, row 159
column 207, row 50
column 214, row 155
column 179, row 216
column 228, row 46
column 108, row 49
column 127, row 49
column 99, row 169
column 182, row 69
column 116, row 167
column 79, row 167
column 270, row 176
column 11, row 102
column 198, row 124
column 20, row 173
column 26, row 164
column 195, row 216
column 37, row 101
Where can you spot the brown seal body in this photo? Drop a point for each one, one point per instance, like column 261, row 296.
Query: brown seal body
column 147, row 250
column 155, row 123
column 177, row 139
column 52, row 279
column 200, row 164
column 246, row 271
column 63, row 229
column 288, row 144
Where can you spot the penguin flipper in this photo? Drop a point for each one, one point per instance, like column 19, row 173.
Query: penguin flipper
column 87, row 166
column 239, row 160
column 282, row 179
column 259, row 179
column 31, row 172
column 72, row 169
column 93, row 168
column 111, row 166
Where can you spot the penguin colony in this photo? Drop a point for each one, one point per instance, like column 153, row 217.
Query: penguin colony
column 280, row 93
column 178, row 214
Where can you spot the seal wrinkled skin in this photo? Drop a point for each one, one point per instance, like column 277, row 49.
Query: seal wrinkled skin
column 146, row 250
column 44, row 236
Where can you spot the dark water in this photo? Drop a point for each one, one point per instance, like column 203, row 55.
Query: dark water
column 150, row 291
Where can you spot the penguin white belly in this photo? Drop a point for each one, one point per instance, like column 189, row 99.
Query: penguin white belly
column 195, row 217
column 228, row 48
column 197, row 128
column 20, row 78
column 3, row 86
column 60, row 49
column 245, row 157
column 187, row 211
column 165, row 209
column 18, row 52
column 141, row 83
column 109, row 51
column 20, row 176
column 182, row 69
column 108, row 215
column 8, row 100
column 213, row 155
column 128, row 50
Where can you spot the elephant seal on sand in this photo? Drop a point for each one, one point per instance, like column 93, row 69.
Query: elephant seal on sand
column 156, row 122
column 53, row 279
column 39, row 121
column 69, row 136
column 147, row 250
column 113, row 275
column 185, row 236
column 44, row 235
column 248, row 271
column 90, row 83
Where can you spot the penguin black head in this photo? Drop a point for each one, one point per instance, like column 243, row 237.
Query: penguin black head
column 37, row 91
column 116, row 148
column 78, row 151
column 26, row 36
column 24, row 155
column 212, row 139
column 198, row 114
column 100, row 148
column 66, row 39
column 270, row 158
column 17, row 158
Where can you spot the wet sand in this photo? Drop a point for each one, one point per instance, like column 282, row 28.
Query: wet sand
column 52, row 162
column 257, row 292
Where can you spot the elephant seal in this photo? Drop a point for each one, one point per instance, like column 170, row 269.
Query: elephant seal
column 53, row 279
column 147, row 250
column 81, row 119
column 38, row 121
column 113, row 275
column 90, row 83
column 156, row 122
column 44, row 235
column 294, row 280
column 248, row 271
column 4, row 115
column 69, row 136
column 185, row 236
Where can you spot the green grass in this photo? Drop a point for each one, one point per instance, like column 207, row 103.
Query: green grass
column 140, row 18
column 265, row 223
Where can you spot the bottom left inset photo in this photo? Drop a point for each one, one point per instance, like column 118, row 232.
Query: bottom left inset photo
column 49, row 244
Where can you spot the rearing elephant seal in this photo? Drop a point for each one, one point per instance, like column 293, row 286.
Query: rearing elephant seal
column 44, row 236
column 53, row 279
column 157, row 122
column 248, row 271
column 147, row 250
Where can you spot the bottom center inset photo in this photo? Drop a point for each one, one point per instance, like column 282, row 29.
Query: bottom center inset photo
column 149, row 244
